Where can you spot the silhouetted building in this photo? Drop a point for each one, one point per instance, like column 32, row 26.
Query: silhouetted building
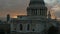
column 37, row 8
column 36, row 21
column 8, row 17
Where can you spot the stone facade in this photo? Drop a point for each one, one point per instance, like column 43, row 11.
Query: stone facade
column 36, row 21
column 37, row 8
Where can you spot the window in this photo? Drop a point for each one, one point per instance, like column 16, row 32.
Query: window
column 28, row 27
column 21, row 27
column 33, row 29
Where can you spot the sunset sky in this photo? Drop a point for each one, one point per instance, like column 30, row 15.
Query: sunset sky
column 18, row 7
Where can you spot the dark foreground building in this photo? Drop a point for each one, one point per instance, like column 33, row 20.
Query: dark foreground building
column 4, row 28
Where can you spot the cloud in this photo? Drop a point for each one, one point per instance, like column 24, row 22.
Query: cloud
column 54, row 6
column 13, row 7
column 50, row 1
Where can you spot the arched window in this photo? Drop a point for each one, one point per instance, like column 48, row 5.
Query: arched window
column 28, row 27
column 21, row 27
column 33, row 30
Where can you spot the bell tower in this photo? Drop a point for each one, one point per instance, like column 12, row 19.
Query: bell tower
column 37, row 8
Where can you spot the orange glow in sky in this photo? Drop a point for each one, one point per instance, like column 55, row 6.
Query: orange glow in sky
column 14, row 17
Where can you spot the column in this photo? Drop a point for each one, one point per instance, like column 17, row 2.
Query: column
column 24, row 27
column 37, row 12
column 41, row 12
column 32, row 12
column 17, row 29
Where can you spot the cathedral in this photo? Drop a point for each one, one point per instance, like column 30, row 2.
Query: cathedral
column 36, row 21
